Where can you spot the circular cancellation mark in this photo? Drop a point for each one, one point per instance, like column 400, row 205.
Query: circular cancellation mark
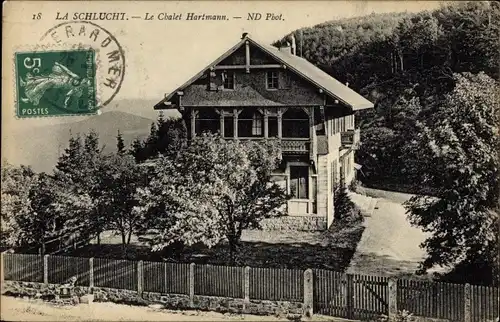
column 109, row 54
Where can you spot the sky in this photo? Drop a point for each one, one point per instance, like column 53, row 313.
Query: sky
column 161, row 55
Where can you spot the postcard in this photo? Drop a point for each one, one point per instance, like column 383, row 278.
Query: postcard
column 250, row 160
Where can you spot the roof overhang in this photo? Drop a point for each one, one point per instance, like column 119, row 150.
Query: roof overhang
column 166, row 104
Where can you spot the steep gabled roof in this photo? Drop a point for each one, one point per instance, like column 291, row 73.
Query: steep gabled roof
column 297, row 64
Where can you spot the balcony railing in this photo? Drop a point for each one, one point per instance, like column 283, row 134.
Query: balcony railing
column 350, row 138
column 288, row 145
column 295, row 145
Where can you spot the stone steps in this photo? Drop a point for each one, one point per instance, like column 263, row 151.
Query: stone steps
column 366, row 204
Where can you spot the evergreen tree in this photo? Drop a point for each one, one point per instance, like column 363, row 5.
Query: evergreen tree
column 120, row 145
column 70, row 161
column 78, row 170
column 166, row 137
column 137, row 150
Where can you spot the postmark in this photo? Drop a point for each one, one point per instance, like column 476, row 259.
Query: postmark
column 82, row 68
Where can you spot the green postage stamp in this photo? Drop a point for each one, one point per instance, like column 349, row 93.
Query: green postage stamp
column 55, row 83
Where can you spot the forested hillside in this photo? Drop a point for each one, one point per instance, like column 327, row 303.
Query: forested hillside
column 433, row 77
column 403, row 63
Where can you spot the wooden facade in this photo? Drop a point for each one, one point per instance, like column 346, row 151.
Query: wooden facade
column 255, row 92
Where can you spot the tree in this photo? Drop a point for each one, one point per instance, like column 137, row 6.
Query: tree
column 44, row 221
column 383, row 56
column 166, row 137
column 137, row 150
column 211, row 191
column 120, row 145
column 16, row 203
column 171, row 136
column 119, row 177
column 458, row 148
column 376, row 152
column 78, row 170
column 30, row 211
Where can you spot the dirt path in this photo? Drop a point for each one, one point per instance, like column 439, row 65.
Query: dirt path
column 17, row 309
column 389, row 245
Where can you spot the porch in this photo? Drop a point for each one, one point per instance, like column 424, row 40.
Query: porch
column 293, row 126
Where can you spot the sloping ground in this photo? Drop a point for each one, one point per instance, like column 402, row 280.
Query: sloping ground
column 365, row 204
column 397, row 197
column 389, row 245
column 16, row 309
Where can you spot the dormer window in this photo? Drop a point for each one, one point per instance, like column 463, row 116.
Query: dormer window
column 228, row 80
column 272, row 79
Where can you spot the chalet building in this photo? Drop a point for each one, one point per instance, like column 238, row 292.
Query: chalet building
column 256, row 91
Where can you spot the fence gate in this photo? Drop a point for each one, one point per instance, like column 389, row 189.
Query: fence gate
column 350, row 296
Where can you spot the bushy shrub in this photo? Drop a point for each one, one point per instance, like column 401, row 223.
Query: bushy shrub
column 343, row 206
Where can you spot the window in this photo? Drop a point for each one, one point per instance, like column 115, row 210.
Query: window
column 350, row 123
column 295, row 123
column 250, row 123
column 257, row 124
column 207, row 121
column 272, row 126
column 333, row 176
column 228, row 126
column 314, row 184
column 272, row 80
column 228, row 80
column 299, row 182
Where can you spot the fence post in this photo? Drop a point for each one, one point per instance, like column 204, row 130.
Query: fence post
column 350, row 296
column 140, row 276
column 467, row 304
column 308, row 293
column 91, row 272
column 393, row 298
column 46, row 269
column 2, row 269
column 246, row 287
column 191, row 285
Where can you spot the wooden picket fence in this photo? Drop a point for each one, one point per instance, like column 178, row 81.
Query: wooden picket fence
column 351, row 296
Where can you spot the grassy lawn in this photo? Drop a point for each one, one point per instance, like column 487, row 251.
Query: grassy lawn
column 332, row 249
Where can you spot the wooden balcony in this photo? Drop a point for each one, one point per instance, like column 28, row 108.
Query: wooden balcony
column 295, row 145
column 288, row 145
column 350, row 139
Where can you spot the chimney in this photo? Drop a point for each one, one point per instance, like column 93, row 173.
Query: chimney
column 244, row 35
column 347, row 84
column 294, row 47
column 286, row 48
